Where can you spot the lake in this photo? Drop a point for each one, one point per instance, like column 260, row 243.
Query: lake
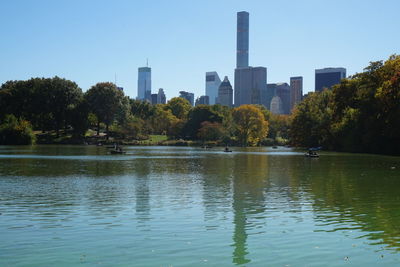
column 181, row 206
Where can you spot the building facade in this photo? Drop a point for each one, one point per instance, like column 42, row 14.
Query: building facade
column 327, row 77
column 283, row 91
column 276, row 106
column 212, row 84
column 250, row 84
column 242, row 40
column 188, row 96
column 144, row 84
column 296, row 91
column 225, row 93
column 203, row 100
column 161, row 98
column 154, row 99
column 271, row 92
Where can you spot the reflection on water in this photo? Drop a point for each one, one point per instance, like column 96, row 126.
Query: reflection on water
column 160, row 206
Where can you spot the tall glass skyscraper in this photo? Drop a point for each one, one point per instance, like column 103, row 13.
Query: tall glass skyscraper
column 144, row 84
column 242, row 40
column 212, row 84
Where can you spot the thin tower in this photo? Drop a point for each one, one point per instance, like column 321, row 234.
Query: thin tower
column 242, row 40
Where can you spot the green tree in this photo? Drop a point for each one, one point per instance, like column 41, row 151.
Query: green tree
column 179, row 107
column 196, row 116
column 162, row 119
column 250, row 124
column 211, row 131
column 105, row 101
column 15, row 131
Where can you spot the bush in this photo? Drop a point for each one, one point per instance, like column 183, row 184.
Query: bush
column 15, row 131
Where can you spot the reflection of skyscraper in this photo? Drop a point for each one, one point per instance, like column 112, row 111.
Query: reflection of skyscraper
column 296, row 91
column 326, row 78
column 242, row 40
column 225, row 93
column 212, row 83
column 248, row 200
column 144, row 84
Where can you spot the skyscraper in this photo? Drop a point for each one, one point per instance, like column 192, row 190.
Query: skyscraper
column 154, row 99
column 161, row 99
column 144, row 84
column 327, row 77
column 276, row 106
column 250, row 83
column 271, row 92
column 212, row 83
column 225, row 93
column 296, row 91
column 203, row 100
column 283, row 91
column 188, row 96
column 242, row 40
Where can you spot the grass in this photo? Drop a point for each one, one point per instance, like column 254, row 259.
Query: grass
column 154, row 139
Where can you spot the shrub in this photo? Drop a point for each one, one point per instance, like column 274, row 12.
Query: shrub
column 15, row 131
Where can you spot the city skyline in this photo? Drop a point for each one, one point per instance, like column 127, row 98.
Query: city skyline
column 81, row 46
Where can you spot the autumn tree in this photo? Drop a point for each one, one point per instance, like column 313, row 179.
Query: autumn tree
column 250, row 124
column 179, row 107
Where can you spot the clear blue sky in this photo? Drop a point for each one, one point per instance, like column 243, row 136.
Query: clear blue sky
column 88, row 41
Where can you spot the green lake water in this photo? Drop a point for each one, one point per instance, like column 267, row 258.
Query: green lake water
column 179, row 206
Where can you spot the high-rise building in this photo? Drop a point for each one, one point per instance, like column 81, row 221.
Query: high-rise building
column 161, row 99
column 144, row 84
column 212, row 83
column 327, row 77
column 154, row 99
column 225, row 93
column 250, row 83
column 276, row 106
column 296, row 91
column 283, row 91
column 203, row 100
column 242, row 40
column 270, row 93
column 188, row 96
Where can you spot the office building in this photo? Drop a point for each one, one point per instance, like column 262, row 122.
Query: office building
column 203, row 100
column 296, row 91
column 188, row 96
column 270, row 93
column 161, row 99
column 212, row 83
column 283, row 91
column 327, row 77
column 144, row 84
column 276, row 106
column 225, row 93
column 242, row 40
column 154, row 99
column 250, row 84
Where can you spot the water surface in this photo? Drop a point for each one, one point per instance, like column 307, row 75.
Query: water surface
column 179, row 206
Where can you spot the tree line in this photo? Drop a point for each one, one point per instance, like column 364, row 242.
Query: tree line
column 59, row 105
column 361, row 114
